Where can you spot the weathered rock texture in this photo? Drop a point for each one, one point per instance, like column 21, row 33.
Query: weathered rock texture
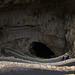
column 48, row 21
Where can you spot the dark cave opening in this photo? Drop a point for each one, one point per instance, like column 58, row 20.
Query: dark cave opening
column 40, row 50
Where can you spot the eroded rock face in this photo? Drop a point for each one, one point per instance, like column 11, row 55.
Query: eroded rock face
column 48, row 23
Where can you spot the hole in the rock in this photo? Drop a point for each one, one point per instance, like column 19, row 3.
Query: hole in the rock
column 18, row 23
column 52, row 18
column 40, row 50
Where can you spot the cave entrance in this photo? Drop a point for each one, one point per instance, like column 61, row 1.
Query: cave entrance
column 34, row 22
column 40, row 50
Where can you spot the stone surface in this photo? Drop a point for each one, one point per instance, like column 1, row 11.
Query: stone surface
column 46, row 21
column 32, row 24
column 51, row 22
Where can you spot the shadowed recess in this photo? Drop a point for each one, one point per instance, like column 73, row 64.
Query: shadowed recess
column 40, row 50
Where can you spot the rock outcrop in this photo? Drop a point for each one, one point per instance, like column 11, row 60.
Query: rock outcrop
column 48, row 21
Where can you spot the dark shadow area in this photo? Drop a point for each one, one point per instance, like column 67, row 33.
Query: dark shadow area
column 40, row 50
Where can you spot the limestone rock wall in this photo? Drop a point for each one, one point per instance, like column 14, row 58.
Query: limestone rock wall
column 70, row 36
column 49, row 22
